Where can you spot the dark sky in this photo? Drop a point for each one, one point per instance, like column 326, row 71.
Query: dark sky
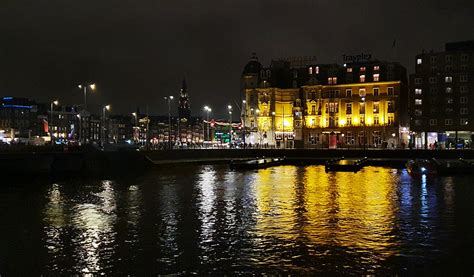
column 138, row 51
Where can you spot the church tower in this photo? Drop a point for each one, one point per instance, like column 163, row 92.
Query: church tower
column 184, row 108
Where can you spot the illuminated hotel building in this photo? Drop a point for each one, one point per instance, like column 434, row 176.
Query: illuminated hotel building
column 297, row 103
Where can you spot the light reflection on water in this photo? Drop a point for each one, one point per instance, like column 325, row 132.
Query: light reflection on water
column 208, row 219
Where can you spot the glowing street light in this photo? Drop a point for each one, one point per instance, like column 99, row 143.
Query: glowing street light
column 169, row 98
column 53, row 103
column 104, row 110
column 207, row 109
column 84, row 88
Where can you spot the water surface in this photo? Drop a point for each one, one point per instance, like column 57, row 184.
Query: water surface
column 211, row 220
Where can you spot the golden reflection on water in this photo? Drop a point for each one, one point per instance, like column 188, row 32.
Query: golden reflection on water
column 89, row 223
column 351, row 210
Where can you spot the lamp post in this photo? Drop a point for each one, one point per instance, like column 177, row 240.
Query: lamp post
column 53, row 103
column 365, row 124
column 84, row 88
column 273, row 128
column 244, row 105
column 104, row 109
column 135, row 126
column 229, row 108
column 207, row 109
column 169, row 98
column 80, row 126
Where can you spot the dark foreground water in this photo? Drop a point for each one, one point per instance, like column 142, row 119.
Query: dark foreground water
column 210, row 220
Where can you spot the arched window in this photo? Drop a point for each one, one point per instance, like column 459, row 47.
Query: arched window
column 310, row 70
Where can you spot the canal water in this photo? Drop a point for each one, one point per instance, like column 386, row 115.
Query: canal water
column 211, row 220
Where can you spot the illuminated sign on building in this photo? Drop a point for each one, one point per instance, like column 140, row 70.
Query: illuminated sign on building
column 357, row 58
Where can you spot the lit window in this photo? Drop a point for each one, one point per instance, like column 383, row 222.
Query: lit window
column 376, row 77
column 362, row 68
column 448, row 79
column 390, row 90
column 449, row 90
column 390, row 120
column 463, row 121
column 376, row 107
column 349, row 69
column 317, row 69
column 376, row 68
column 418, row 101
column 362, row 78
column 418, row 91
column 332, row 80
column 348, row 92
column 310, row 70
column 463, row 78
column 419, row 61
column 362, row 92
column 376, row 91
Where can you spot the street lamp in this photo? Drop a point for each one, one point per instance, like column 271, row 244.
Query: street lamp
column 365, row 124
column 104, row 109
column 53, row 103
column 244, row 105
column 229, row 107
column 135, row 126
column 169, row 98
column 273, row 128
column 80, row 126
column 84, row 88
column 207, row 109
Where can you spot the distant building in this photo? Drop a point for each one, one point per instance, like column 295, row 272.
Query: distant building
column 18, row 119
column 325, row 105
column 441, row 97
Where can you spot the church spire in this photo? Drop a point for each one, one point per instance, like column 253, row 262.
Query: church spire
column 184, row 108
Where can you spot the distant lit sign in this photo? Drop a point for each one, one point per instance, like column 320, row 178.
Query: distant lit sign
column 7, row 98
column 357, row 58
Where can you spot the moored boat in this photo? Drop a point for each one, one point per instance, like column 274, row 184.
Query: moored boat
column 256, row 163
column 420, row 167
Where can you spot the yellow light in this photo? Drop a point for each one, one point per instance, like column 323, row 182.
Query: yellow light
column 92, row 86
column 342, row 122
column 356, row 120
column 369, row 120
column 286, row 123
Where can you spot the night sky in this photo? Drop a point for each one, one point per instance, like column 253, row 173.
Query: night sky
column 138, row 51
